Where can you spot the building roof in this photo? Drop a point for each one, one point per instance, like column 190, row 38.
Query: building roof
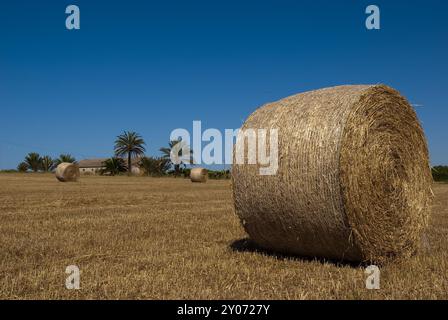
column 92, row 163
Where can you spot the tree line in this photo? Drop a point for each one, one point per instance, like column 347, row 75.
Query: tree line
column 128, row 146
column 34, row 162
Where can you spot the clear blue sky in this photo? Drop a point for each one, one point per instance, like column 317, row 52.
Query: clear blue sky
column 153, row 66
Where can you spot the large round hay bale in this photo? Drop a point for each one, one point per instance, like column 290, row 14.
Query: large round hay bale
column 353, row 180
column 199, row 175
column 67, row 172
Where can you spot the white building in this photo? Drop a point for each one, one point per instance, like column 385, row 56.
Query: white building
column 94, row 166
column 91, row 166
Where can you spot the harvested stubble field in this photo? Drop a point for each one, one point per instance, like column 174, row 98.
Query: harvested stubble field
column 150, row 238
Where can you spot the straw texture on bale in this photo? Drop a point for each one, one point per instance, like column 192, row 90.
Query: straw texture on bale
column 67, row 172
column 353, row 180
column 198, row 175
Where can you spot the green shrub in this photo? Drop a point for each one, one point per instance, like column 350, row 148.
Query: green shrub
column 221, row 174
column 154, row 167
column 440, row 173
column 8, row 171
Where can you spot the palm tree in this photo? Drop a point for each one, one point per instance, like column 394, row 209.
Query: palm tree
column 177, row 149
column 129, row 144
column 154, row 166
column 113, row 166
column 22, row 167
column 33, row 161
column 46, row 163
column 64, row 158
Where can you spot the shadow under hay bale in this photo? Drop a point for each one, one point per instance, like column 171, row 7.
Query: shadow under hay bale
column 247, row 245
column 353, row 179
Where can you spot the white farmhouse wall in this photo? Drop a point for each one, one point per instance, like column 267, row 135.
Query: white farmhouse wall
column 89, row 170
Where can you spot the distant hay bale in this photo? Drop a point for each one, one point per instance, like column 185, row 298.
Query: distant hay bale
column 67, row 172
column 353, row 180
column 198, row 175
column 136, row 170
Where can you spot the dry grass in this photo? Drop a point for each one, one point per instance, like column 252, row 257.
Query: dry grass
column 167, row 238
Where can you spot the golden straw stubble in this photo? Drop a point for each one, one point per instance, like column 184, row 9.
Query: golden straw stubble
column 353, row 180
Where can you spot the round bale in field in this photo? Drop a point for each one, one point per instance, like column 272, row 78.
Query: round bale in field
column 199, row 175
column 353, row 179
column 67, row 172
